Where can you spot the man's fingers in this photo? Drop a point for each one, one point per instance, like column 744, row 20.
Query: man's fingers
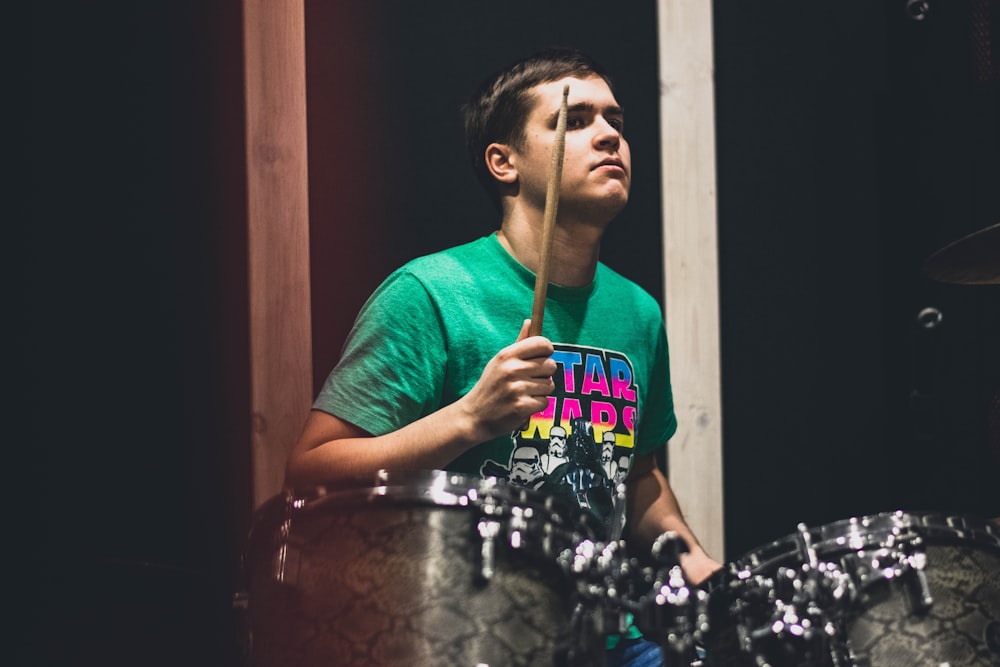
column 524, row 331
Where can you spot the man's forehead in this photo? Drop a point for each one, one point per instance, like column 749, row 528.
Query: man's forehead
column 591, row 91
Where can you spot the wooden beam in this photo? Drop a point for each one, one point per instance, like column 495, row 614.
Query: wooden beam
column 687, row 119
column 278, row 227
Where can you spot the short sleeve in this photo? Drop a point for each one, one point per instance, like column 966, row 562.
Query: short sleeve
column 391, row 371
column 659, row 421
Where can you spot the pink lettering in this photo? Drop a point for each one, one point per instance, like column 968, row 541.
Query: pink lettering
column 594, row 379
column 621, row 380
column 603, row 415
column 570, row 410
column 628, row 418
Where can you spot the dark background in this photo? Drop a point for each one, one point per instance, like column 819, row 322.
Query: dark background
column 852, row 145
column 853, row 142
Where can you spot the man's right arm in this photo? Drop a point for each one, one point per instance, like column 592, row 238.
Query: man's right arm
column 514, row 385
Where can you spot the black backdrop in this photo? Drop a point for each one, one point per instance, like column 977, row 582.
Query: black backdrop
column 134, row 487
column 853, row 141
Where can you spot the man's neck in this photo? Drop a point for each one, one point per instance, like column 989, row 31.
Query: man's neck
column 574, row 252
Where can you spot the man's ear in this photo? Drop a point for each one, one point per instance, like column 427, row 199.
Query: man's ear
column 500, row 160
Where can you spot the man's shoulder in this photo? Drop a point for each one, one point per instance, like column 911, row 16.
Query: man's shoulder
column 448, row 258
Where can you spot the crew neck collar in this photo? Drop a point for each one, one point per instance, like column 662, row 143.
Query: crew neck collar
column 527, row 277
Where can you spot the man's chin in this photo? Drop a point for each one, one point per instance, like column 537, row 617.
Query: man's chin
column 597, row 212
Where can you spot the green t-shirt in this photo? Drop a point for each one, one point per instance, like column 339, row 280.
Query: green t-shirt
column 423, row 338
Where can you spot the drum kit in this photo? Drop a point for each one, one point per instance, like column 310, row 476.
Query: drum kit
column 438, row 568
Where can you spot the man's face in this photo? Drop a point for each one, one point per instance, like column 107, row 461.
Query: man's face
column 597, row 163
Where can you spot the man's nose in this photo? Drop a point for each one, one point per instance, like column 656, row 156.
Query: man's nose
column 607, row 135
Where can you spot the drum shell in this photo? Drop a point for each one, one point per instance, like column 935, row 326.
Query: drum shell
column 961, row 627
column 391, row 574
column 883, row 629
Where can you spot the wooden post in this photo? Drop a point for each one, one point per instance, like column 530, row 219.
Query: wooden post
column 691, row 263
column 278, row 234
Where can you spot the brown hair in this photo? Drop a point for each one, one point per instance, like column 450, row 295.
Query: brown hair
column 497, row 110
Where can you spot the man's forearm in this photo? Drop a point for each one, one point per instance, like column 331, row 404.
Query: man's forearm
column 653, row 510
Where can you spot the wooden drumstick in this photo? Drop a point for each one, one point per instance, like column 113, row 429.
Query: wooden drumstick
column 549, row 219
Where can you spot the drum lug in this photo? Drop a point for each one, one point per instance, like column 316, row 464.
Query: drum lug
column 488, row 531
column 903, row 560
column 803, row 540
column 919, row 591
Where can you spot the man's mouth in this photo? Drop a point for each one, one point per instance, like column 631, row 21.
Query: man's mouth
column 611, row 162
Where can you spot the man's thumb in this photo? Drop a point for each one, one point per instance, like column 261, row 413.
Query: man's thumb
column 525, row 326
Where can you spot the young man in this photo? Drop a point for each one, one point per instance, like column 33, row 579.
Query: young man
column 439, row 372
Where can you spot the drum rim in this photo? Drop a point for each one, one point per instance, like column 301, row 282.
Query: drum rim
column 440, row 489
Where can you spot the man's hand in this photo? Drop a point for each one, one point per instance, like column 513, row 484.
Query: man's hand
column 515, row 384
column 698, row 566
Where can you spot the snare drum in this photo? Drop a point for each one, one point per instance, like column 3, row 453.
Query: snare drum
column 901, row 589
column 417, row 568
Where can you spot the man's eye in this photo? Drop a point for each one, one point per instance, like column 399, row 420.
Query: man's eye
column 617, row 123
column 574, row 123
